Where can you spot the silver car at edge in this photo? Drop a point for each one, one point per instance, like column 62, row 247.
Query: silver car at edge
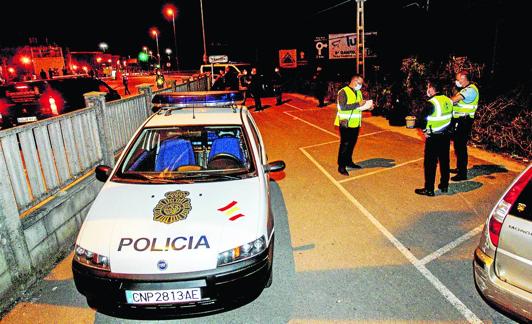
column 502, row 263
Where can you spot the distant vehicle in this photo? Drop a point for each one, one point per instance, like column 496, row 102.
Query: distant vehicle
column 29, row 101
column 503, row 259
column 183, row 223
column 215, row 68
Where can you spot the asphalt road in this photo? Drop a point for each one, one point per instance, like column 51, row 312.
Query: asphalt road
column 348, row 249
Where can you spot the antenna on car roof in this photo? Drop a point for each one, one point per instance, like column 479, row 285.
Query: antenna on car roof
column 193, row 114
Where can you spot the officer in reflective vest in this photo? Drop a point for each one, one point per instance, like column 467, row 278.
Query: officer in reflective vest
column 349, row 119
column 159, row 79
column 465, row 106
column 438, row 115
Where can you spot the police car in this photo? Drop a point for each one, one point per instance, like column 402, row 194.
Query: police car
column 183, row 223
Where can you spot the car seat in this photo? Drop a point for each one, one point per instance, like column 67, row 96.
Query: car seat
column 173, row 153
column 226, row 145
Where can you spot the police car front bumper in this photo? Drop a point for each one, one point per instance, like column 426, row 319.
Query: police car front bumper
column 221, row 288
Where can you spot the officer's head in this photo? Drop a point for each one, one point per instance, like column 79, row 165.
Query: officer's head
column 433, row 87
column 253, row 71
column 462, row 79
column 356, row 82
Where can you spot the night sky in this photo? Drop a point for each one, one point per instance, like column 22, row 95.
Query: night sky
column 236, row 28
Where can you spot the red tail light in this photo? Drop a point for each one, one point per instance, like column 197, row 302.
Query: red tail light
column 505, row 205
column 53, row 106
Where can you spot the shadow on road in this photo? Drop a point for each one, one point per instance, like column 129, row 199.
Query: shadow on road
column 485, row 170
column 377, row 163
column 464, row 186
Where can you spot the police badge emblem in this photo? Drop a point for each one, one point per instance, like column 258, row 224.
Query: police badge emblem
column 175, row 207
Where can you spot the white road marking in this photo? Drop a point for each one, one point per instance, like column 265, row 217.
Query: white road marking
column 446, row 293
column 293, row 106
column 379, row 171
column 438, row 253
column 321, row 144
column 312, row 125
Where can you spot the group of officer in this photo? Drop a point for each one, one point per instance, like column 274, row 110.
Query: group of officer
column 444, row 119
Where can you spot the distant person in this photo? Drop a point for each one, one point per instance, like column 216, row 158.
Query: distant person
column 230, row 79
column 277, row 83
column 349, row 120
column 159, row 79
column 255, row 88
column 219, row 82
column 465, row 105
column 125, row 82
column 244, row 81
column 91, row 73
column 42, row 74
column 437, row 122
column 50, row 73
column 320, row 86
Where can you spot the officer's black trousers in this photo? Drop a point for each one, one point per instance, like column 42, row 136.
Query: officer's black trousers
column 348, row 139
column 437, row 151
column 462, row 133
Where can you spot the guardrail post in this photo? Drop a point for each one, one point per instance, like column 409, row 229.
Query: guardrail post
column 97, row 100
column 146, row 90
column 12, row 239
column 174, row 86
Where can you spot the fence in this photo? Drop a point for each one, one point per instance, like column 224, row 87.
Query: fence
column 42, row 160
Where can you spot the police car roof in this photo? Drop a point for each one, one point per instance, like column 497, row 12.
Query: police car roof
column 197, row 108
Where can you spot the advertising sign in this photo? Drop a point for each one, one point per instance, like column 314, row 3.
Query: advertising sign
column 342, row 46
column 218, row 59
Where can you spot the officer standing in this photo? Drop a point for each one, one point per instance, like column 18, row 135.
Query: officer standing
column 349, row 119
column 255, row 85
column 277, row 82
column 320, row 86
column 438, row 115
column 465, row 105
column 159, row 79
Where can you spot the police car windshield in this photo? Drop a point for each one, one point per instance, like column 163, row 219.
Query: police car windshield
column 187, row 153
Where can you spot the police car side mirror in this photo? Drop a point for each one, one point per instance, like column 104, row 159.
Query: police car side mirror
column 102, row 172
column 275, row 166
column 155, row 109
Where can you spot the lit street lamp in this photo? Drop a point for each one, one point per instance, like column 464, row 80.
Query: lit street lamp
column 170, row 12
column 155, row 33
column 103, row 46
column 145, row 49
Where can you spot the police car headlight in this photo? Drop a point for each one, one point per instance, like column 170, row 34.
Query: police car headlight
column 91, row 259
column 242, row 252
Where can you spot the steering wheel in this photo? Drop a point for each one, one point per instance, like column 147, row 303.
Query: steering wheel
column 224, row 161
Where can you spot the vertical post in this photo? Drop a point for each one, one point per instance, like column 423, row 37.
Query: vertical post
column 146, row 90
column 203, row 31
column 97, row 100
column 360, row 50
column 12, row 239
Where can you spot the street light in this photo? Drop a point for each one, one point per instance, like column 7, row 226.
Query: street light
column 170, row 12
column 145, row 49
column 155, row 33
column 103, row 46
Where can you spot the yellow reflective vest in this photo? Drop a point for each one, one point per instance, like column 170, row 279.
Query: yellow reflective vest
column 441, row 115
column 355, row 115
column 463, row 109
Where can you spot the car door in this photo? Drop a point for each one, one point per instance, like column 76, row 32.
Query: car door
column 513, row 258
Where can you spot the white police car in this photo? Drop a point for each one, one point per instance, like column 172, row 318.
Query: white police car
column 183, row 222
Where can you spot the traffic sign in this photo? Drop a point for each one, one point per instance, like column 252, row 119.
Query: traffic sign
column 218, row 59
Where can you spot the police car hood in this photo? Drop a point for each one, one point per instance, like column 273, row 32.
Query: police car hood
column 186, row 226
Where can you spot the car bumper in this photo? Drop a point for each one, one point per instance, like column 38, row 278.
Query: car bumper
column 221, row 288
column 501, row 295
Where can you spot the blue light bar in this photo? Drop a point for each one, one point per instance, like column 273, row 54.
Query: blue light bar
column 198, row 98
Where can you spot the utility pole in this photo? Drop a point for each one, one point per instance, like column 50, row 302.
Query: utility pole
column 360, row 50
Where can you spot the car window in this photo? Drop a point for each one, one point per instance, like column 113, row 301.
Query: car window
column 258, row 140
column 188, row 152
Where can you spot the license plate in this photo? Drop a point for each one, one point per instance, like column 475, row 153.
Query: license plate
column 163, row 296
column 26, row 119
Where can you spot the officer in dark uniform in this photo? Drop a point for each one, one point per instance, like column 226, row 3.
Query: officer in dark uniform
column 437, row 122
column 465, row 105
column 277, row 83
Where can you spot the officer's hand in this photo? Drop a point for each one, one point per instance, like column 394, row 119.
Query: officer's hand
column 362, row 102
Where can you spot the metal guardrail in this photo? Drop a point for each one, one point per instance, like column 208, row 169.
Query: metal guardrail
column 43, row 157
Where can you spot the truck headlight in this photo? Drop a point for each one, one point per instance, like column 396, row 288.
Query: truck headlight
column 242, row 252
column 91, row 259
